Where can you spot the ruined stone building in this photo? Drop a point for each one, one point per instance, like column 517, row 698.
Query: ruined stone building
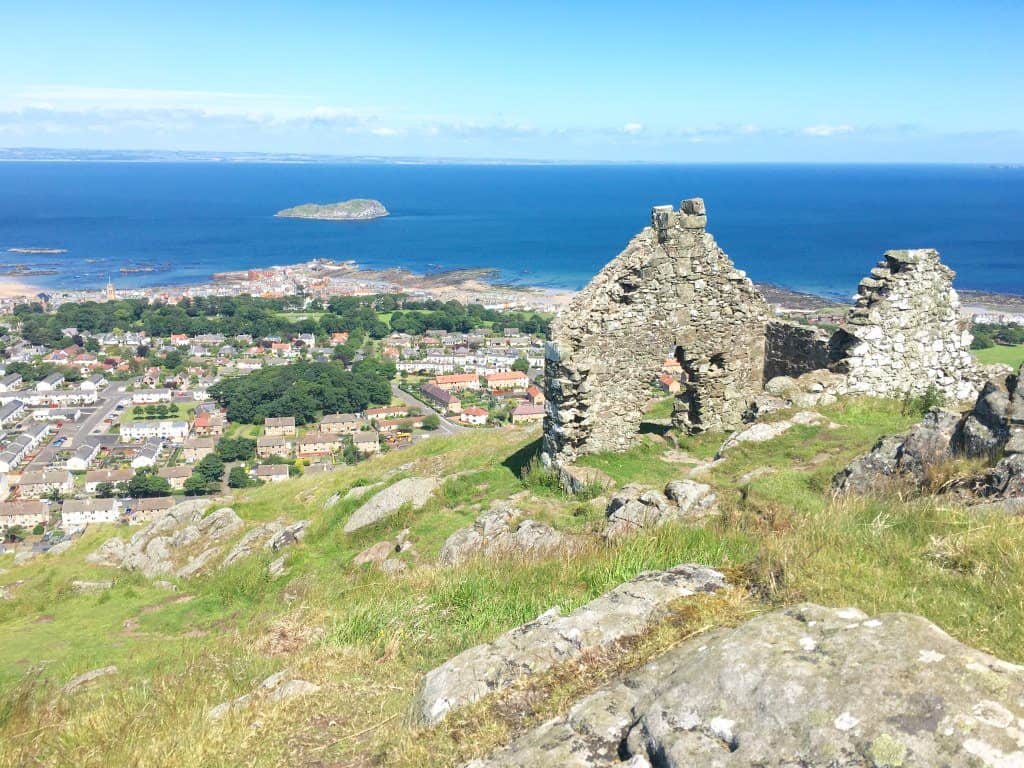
column 674, row 290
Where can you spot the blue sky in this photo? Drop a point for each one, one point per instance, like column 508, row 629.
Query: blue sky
column 606, row 81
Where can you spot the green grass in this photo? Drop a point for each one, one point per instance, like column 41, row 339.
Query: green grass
column 186, row 411
column 367, row 638
column 1008, row 355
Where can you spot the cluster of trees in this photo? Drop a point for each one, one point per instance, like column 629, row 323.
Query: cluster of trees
column 415, row 317
column 144, row 484
column 230, row 315
column 234, row 315
column 305, row 390
column 986, row 335
column 156, row 411
column 206, row 477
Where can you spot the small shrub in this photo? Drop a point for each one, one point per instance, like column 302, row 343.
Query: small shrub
column 919, row 405
column 537, row 477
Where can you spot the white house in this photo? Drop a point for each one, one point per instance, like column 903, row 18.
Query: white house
column 272, row 473
column 94, row 382
column 79, row 512
column 50, row 383
column 151, row 396
column 83, row 455
column 175, row 431
column 11, row 412
column 148, row 454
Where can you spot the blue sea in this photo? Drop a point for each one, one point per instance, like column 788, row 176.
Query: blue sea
column 811, row 228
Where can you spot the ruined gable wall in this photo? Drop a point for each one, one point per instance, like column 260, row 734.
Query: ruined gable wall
column 905, row 333
column 672, row 287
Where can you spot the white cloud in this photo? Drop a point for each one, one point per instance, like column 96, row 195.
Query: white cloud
column 633, row 128
column 828, row 130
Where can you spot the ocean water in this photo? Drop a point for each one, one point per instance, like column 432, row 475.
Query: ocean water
column 813, row 228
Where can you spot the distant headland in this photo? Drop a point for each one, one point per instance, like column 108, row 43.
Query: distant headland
column 359, row 209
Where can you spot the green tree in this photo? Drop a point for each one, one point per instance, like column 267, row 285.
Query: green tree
column 104, row 490
column 521, row 364
column 431, row 421
column 146, row 482
column 236, row 448
column 239, row 478
column 210, row 468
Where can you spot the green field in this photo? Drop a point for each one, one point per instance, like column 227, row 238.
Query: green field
column 1012, row 356
column 186, row 411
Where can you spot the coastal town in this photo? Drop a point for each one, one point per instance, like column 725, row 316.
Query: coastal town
column 104, row 426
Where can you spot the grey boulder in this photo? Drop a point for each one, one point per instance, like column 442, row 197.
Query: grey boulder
column 411, row 490
column 552, row 638
column 807, row 686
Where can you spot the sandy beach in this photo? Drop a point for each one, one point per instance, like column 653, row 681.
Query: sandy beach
column 12, row 289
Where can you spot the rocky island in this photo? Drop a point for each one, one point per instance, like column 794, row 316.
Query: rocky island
column 358, row 209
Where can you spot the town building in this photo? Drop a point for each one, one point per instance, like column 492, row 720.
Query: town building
column 95, row 477
column 134, row 431
column 507, row 380
column 473, row 415
column 272, row 473
column 75, row 513
column 196, row 448
column 35, row 484
column 23, row 514
column 367, row 442
column 175, row 476
column 279, row 426
column 341, row 423
column 274, row 445
column 441, row 398
column 527, row 412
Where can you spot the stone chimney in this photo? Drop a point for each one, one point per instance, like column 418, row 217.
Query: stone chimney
column 691, row 215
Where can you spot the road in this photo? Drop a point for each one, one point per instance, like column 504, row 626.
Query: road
column 74, row 432
column 447, row 426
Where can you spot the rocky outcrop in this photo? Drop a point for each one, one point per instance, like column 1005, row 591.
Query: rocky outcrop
column 184, row 543
column 551, row 639
column 636, row 507
column 902, row 458
column 993, row 429
column 807, row 686
column 671, row 291
column 501, row 532
column 415, row 491
column 905, row 334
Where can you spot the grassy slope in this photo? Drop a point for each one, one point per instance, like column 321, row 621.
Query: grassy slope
column 366, row 638
column 1012, row 356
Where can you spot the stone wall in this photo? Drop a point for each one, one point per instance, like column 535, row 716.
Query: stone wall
column 793, row 350
column 671, row 291
column 905, row 333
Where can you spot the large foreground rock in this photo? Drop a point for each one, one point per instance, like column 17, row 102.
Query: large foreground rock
column 529, row 649
column 806, row 687
column 502, row 532
column 412, row 490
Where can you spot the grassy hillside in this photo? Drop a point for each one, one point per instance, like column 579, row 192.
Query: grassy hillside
column 1000, row 353
column 367, row 638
